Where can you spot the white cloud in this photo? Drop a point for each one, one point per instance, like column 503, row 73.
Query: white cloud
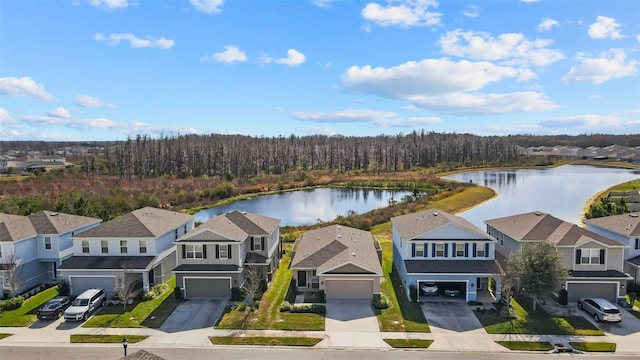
column 23, row 86
column 230, row 55
column 609, row 65
column 89, row 101
column 547, row 24
column 136, row 42
column 5, row 117
column 318, row 130
column 605, row 28
column 109, row 5
column 265, row 58
column 472, row 11
column 638, row 37
column 323, row 4
column 208, row 6
column 484, row 104
column 511, row 48
column 294, row 58
column 378, row 118
column 530, row 1
column 592, row 122
column 403, row 13
column 59, row 112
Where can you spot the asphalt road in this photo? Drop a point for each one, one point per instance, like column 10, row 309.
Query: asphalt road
column 251, row 353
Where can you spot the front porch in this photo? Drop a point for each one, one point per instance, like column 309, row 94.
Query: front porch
column 307, row 281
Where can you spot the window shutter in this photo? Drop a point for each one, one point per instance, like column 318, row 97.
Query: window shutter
column 425, row 248
column 184, row 251
column 473, row 253
column 455, row 249
column 446, row 250
column 251, row 240
column 413, row 249
column 433, row 250
column 466, row 250
column 217, row 251
column 601, row 256
column 262, row 240
column 204, row 251
column 486, row 250
column 637, row 243
column 578, row 255
column 229, row 251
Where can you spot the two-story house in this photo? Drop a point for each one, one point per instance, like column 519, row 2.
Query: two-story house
column 625, row 229
column 339, row 260
column 217, row 255
column 437, row 247
column 594, row 262
column 37, row 243
column 137, row 246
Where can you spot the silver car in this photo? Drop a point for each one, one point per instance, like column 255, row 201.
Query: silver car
column 600, row 309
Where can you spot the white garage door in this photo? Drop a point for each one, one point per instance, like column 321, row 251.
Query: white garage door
column 349, row 289
column 207, row 287
column 608, row 291
column 81, row 283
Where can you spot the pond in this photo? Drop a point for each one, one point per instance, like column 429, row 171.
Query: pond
column 307, row 207
column 562, row 191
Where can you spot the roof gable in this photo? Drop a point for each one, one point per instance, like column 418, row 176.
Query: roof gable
column 436, row 224
column 347, row 268
column 49, row 222
column 624, row 224
column 238, row 226
column 147, row 222
column 16, row 227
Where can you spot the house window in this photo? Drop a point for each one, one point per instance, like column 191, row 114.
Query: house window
column 501, row 236
column 637, row 247
column 123, row 247
column 419, row 250
column 257, row 244
column 175, row 234
column 222, row 252
column 480, row 251
column 195, row 251
column 47, row 243
column 459, row 250
column 104, row 246
column 0, row 251
column 439, row 250
column 590, row 256
column 184, row 229
column 85, row 246
column 143, row 246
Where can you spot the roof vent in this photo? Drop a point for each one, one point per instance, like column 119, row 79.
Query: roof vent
column 54, row 214
column 435, row 213
column 353, row 253
column 339, row 236
column 538, row 213
column 633, row 215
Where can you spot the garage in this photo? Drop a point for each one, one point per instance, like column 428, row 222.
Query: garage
column 207, row 287
column 79, row 284
column 450, row 289
column 608, row 291
column 349, row 289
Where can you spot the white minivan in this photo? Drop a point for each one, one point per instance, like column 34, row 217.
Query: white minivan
column 85, row 304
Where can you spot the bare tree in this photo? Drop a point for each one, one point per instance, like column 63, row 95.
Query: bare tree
column 12, row 273
column 251, row 284
column 122, row 289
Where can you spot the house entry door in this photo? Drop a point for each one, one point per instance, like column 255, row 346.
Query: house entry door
column 302, row 279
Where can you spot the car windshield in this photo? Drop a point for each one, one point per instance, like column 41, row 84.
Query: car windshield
column 49, row 306
column 612, row 311
column 80, row 302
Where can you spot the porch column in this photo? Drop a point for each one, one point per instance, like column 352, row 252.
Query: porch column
column 145, row 281
column 498, row 288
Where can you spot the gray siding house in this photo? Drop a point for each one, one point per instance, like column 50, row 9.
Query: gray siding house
column 625, row 229
column 594, row 262
column 437, row 247
column 137, row 246
column 339, row 260
column 39, row 242
column 218, row 255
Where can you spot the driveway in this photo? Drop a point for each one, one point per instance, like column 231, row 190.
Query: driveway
column 455, row 327
column 196, row 313
column 351, row 324
column 625, row 333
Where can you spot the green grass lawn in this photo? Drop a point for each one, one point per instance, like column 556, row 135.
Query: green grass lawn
column 526, row 345
column 266, row 340
column 149, row 314
column 26, row 314
column 268, row 315
column 528, row 321
column 104, row 339
column 409, row 343
column 2, row 336
column 594, row 346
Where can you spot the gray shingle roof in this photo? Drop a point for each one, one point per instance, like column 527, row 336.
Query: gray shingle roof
column 539, row 226
column 16, row 227
column 634, row 260
column 208, row 267
column 452, row 267
column 233, row 226
column 415, row 224
column 625, row 224
column 106, row 262
column 333, row 246
column 598, row 274
column 148, row 222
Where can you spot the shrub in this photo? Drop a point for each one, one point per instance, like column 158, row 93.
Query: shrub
column 12, row 304
column 242, row 306
column 155, row 291
column 285, row 306
column 309, row 308
column 380, row 301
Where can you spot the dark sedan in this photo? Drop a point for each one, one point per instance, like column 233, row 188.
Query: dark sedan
column 54, row 308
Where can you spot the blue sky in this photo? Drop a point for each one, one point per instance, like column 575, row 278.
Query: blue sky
column 108, row 69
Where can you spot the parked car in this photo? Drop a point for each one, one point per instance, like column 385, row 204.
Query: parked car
column 85, row 304
column 54, row 308
column 429, row 288
column 600, row 309
column 452, row 292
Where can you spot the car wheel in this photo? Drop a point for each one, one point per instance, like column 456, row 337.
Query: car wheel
column 596, row 317
column 579, row 305
column 85, row 316
column 103, row 302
